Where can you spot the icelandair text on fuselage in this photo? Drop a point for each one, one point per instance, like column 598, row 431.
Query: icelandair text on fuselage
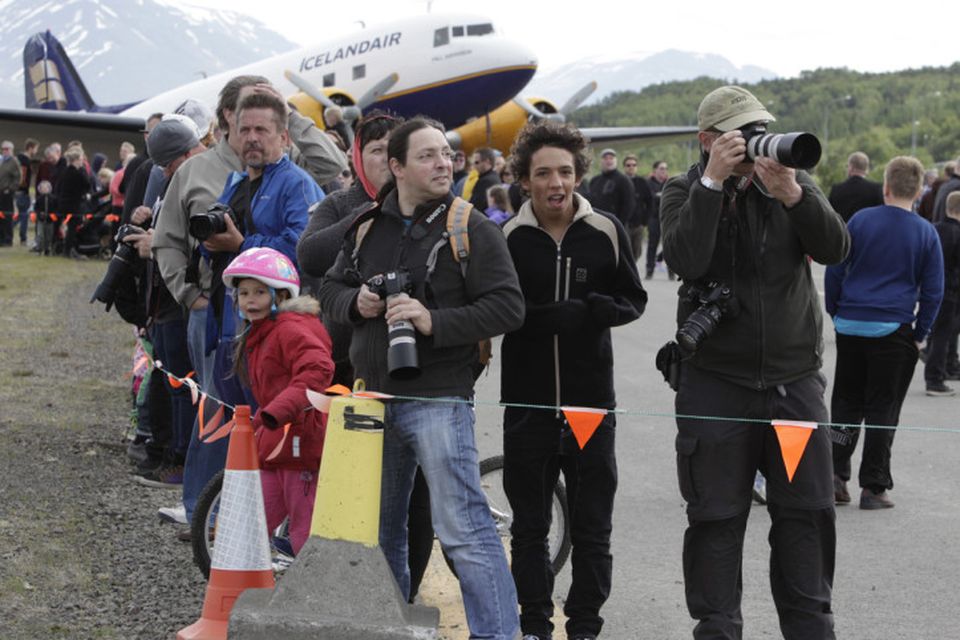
column 356, row 49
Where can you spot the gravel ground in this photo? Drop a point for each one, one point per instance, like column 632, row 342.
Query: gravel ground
column 82, row 553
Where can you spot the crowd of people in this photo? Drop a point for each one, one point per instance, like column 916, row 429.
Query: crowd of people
column 277, row 257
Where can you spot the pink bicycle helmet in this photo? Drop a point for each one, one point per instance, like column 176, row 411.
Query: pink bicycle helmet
column 269, row 266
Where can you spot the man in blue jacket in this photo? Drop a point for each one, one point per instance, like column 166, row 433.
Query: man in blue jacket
column 269, row 202
column 894, row 262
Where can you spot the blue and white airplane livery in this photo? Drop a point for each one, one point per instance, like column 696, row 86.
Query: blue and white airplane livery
column 456, row 68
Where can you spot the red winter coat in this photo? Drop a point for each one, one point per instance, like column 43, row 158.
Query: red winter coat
column 287, row 355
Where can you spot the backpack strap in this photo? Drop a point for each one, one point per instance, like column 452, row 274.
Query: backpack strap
column 359, row 228
column 458, row 218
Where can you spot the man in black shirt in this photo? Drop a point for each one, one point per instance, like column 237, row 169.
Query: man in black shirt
column 856, row 192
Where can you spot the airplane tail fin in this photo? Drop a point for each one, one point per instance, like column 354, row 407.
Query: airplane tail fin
column 50, row 79
column 52, row 82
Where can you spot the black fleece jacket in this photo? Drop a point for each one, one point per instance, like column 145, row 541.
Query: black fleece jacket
column 464, row 310
column 575, row 290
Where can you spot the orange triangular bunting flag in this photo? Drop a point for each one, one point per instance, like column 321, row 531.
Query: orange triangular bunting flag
column 222, row 432
column 276, row 450
column 338, row 390
column 793, row 436
column 583, row 422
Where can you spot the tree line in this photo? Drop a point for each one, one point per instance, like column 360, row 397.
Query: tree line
column 911, row 112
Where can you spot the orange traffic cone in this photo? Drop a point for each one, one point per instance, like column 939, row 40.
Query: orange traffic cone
column 241, row 556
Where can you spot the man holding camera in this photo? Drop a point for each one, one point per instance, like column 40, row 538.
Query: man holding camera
column 439, row 307
column 264, row 206
column 739, row 232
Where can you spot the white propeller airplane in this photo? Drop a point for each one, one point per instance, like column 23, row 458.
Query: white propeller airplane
column 456, row 68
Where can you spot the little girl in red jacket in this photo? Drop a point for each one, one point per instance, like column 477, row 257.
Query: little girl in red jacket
column 283, row 351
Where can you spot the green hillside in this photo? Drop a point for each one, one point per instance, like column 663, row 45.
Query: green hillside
column 883, row 114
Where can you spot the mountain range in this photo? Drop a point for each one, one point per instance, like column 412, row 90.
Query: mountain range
column 634, row 72
column 126, row 50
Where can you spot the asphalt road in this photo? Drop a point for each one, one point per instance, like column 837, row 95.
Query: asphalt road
column 897, row 570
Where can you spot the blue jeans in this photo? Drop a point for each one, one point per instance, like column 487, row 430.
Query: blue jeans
column 439, row 437
column 203, row 460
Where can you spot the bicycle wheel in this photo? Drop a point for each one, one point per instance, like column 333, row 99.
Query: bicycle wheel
column 558, row 540
column 203, row 526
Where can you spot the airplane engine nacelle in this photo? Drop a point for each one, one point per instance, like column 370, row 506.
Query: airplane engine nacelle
column 312, row 109
column 505, row 123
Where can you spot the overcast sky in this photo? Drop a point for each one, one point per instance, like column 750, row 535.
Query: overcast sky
column 783, row 37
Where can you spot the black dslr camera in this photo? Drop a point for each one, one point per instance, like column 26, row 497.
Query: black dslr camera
column 212, row 221
column 402, row 362
column 716, row 300
column 123, row 259
column 797, row 150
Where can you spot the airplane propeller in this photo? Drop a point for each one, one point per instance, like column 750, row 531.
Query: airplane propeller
column 351, row 112
column 372, row 95
column 577, row 98
column 568, row 107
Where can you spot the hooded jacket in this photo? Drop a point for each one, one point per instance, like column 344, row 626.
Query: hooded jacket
column 464, row 308
column 286, row 355
column 758, row 247
column 575, row 290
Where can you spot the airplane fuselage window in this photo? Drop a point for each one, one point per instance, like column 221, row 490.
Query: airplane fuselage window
column 360, row 72
column 441, row 36
column 457, row 32
column 479, row 29
column 329, row 79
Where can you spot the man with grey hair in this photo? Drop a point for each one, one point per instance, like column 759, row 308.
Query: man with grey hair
column 9, row 181
column 856, row 192
column 738, row 232
column 194, row 187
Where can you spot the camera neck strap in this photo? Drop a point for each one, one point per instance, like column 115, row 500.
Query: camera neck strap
column 733, row 188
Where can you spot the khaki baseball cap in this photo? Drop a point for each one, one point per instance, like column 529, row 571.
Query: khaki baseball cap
column 729, row 108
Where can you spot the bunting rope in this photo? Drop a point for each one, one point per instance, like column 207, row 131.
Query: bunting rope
column 621, row 412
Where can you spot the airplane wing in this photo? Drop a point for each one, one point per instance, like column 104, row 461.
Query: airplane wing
column 599, row 135
column 97, row 131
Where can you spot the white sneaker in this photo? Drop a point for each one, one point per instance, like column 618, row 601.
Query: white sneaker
column 176, row 515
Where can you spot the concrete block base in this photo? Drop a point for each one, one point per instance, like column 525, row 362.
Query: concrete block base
column 335, row 590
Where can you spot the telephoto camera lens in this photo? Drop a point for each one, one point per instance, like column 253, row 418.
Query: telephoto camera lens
column 402, row 362
column 123, row 259
column 796, row 150
column 402, row 359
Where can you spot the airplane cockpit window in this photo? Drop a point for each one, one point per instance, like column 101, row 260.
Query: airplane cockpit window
column 329, row 79
column 479, row 29
column 360, row 72
column 441, row 36
column 457, row 32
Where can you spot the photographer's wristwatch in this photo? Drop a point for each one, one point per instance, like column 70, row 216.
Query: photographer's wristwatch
column 710, row 184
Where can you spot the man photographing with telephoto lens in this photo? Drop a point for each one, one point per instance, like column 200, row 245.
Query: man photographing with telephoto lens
column 737, row 228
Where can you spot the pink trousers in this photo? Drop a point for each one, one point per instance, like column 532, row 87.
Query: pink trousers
column 290, row 493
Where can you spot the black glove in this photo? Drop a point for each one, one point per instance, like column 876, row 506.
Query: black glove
column 603, row 309
column 267, row 420
column 554, row 317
